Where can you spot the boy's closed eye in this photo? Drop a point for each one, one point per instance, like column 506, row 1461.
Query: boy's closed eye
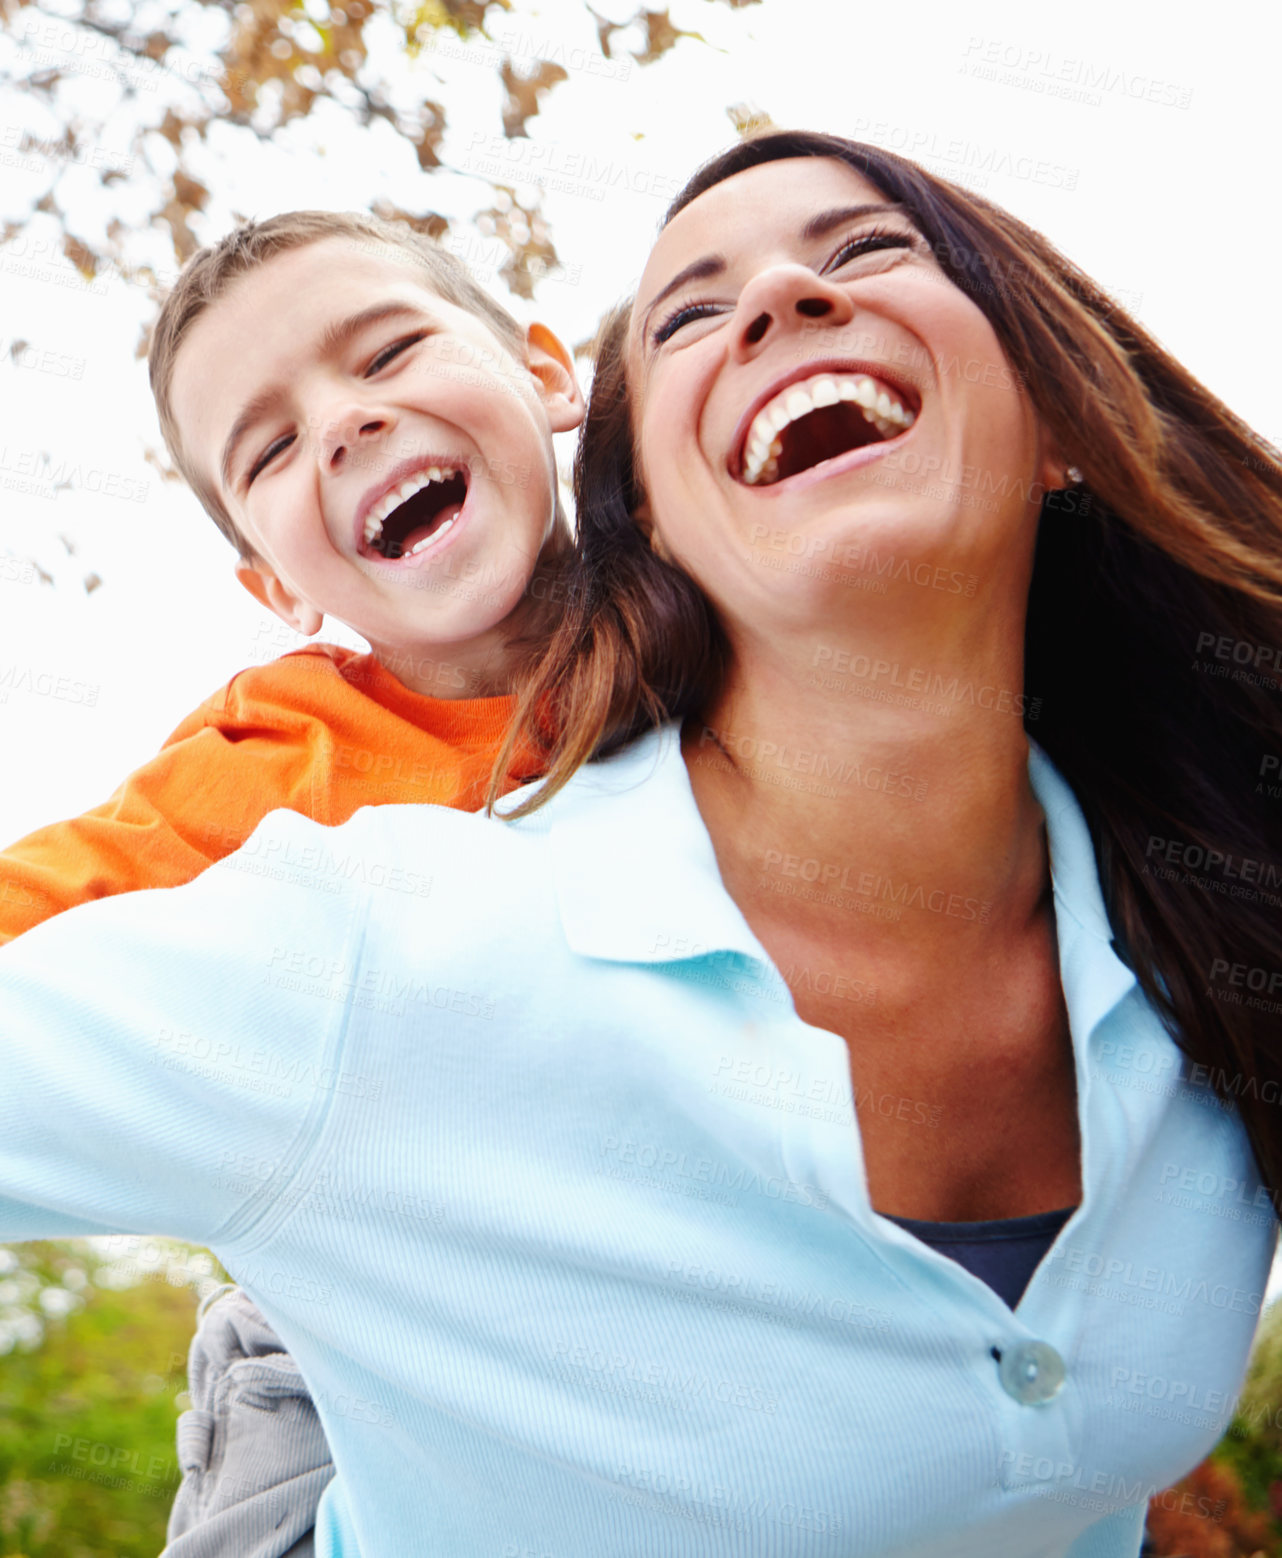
column 389, row 353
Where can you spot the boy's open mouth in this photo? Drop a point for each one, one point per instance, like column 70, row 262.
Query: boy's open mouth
column 818, row 418
column 417, row 513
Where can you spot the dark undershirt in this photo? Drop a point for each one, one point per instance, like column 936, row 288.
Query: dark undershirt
column 1003, row 1253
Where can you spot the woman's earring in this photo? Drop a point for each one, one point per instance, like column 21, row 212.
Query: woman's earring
column 1073, row 476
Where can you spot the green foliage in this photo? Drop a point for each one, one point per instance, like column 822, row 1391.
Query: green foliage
column 87, row 1413
column 1252, row 1447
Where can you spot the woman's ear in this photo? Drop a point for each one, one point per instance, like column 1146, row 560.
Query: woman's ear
column 1052, row 464
column 552, row 367
column 644, row 521
column 269, row 590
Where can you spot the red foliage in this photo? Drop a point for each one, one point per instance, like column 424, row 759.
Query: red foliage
column 1205, row 1516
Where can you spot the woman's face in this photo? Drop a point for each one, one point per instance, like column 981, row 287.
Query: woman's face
column 807, row 385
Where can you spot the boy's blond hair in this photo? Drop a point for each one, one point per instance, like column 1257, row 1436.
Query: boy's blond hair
column 209, row 273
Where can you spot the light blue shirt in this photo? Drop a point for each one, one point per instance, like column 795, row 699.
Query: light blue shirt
column 513, row 1133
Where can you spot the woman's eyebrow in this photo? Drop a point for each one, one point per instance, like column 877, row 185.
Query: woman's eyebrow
column 700, row 270
column 820, row 226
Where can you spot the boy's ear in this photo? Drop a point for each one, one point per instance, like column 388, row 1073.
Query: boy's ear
column 269, row 590
column 553, row 367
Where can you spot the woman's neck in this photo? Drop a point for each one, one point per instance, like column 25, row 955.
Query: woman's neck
column 893, row 787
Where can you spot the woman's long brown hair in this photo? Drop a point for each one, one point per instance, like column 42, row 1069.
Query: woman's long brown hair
column 1154, row 631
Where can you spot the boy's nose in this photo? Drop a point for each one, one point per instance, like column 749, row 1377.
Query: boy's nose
column 345, row 434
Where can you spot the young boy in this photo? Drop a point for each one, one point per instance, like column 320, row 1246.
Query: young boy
column 372, row 432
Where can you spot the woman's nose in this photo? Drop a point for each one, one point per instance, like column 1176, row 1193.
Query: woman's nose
column 786, row 297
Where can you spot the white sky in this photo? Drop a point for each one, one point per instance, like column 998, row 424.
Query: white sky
column 1137, row 138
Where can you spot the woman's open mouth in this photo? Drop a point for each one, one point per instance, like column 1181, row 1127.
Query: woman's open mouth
column 816, row 419
column 417, row 514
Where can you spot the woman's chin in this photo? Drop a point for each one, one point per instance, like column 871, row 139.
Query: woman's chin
column 885, row 541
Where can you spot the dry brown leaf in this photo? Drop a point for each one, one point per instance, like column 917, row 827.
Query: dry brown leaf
column 429, row 139
column 189, row 191
column 161, row 463
column 463, row 16
column 431, row 223
column 531, row 254
column 174, row 216
column 523, row 93
column 81, row 256
column 749, row 120
column 605, row 31
column 171, row 127
column 660, row 36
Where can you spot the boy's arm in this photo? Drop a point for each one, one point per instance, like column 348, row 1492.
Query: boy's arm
column 148, row 1050
column 257, row 744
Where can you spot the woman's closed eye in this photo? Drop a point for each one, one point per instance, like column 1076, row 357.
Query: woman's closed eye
column 682, row 316
column 866, row 243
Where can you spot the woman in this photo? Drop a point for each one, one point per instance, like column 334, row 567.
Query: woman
column 664, row 1125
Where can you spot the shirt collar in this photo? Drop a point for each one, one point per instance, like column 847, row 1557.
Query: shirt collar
column 1074, row 874
column 641, row 884
column 1093, row 975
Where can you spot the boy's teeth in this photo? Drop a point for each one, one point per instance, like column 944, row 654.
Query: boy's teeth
column 432, row 539
column 402, row 494
column 878, row 402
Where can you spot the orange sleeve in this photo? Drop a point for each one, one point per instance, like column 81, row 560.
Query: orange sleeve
column 243, row 753
column 321, row 731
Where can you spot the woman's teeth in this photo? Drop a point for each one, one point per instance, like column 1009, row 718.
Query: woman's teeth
column 388, row 504
column 880, row 405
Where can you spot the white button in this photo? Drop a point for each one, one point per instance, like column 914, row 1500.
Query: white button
column 1030, row 1373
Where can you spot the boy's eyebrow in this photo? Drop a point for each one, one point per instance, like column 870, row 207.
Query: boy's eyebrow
column 817, row 227
column 338, row 334
column 258, row 407
column 334, row 338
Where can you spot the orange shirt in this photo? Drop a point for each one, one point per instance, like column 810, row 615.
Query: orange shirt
column 323, row 731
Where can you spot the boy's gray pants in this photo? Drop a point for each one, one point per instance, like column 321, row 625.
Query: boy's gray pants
column 254, row 1458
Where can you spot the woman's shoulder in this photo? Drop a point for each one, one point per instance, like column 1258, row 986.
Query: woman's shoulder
column 651, row 760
